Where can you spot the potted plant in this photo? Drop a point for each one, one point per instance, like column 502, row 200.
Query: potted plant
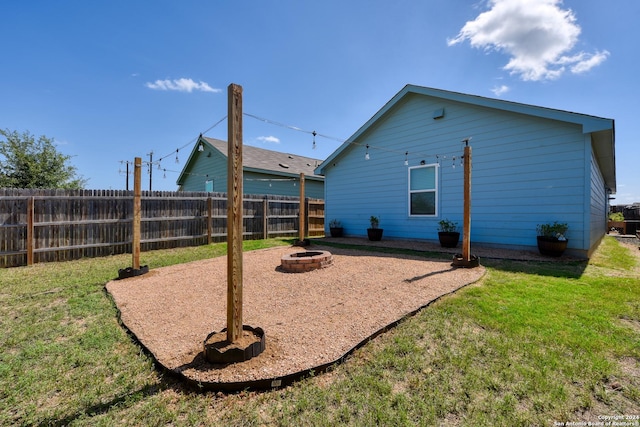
column 335, row 228
column 551, row 238
column 374, row 232
column 448, row 233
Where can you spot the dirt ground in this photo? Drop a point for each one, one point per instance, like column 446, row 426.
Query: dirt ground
column 310, row 319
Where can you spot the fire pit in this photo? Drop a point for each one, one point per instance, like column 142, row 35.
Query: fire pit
column 300, row 262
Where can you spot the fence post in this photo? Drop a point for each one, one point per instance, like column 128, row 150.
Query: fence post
column 30, row 229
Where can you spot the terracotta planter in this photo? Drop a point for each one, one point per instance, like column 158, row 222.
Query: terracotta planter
column 550, row 246
column 375, row 234
column 448, row 239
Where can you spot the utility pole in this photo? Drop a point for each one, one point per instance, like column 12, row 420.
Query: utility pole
column 150, row 169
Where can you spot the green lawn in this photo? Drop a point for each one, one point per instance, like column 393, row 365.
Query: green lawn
column 531, row 344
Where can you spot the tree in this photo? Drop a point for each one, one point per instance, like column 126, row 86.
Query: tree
column 27, row 163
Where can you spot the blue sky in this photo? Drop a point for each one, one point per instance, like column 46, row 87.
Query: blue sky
column 114, row 80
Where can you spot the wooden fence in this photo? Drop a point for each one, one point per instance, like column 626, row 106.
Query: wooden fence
column 60, row 225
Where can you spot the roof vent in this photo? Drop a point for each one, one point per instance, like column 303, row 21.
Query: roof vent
column 284, row 165
column 290, row 156
column 438, row 114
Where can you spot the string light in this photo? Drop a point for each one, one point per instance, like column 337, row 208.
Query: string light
column 262, row 119
column 201, row 147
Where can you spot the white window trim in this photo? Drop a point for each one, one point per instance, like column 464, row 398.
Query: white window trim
column 435, row 190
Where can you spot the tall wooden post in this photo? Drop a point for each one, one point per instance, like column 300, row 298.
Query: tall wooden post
column 234, row 214
column 137, row 212
column 265, row 218
column 209, row 219
column 303, row 213
column 466, row 236
column 30, row 229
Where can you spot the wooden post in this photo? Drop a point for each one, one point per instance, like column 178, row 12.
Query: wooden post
column 265, row 218
column 209, row 219
column 466, row 236
column 234, row 213
column 30, row 229
column 303, row 214
column 137, row 212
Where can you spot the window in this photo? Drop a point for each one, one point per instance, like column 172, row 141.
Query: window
column 423, row 190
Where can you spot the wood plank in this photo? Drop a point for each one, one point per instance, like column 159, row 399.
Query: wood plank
column 234, row 214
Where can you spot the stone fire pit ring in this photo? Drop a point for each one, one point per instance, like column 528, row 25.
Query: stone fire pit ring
column 301, row 262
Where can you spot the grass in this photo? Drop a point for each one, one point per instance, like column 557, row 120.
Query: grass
column 531, row 344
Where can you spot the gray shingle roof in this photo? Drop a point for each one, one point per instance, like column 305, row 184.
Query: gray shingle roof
column 273, row 161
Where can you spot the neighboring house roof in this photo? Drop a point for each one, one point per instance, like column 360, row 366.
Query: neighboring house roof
column 256, row 159
column 601, row 129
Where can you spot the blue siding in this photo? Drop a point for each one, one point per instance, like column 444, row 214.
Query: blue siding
column 526, row 170
column 259, row 183
column 206, row 165
column 598, row 205
column 212, row 165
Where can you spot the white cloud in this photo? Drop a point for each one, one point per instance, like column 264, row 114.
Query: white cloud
column 587, row 62
column 538, row 36
column 500, row 90
column 181, row 85
column 269, row 139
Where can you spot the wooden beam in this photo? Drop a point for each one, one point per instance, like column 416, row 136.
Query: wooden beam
column 137, row 212
column 466, row 231
column 303, row 214
column 234, row 213
column 265, row 218
column 30, row 229
column 209, row 219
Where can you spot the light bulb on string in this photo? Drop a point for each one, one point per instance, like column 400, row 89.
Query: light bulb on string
column 177, row 160
column 165, row 173
column 438, row 159
column 366, row 155
column 313, row 147
column 406, row 158
column 454, row 162
column 159, row 168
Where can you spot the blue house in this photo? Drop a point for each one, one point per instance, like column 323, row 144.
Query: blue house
column 264, row 171
column 530, row 165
